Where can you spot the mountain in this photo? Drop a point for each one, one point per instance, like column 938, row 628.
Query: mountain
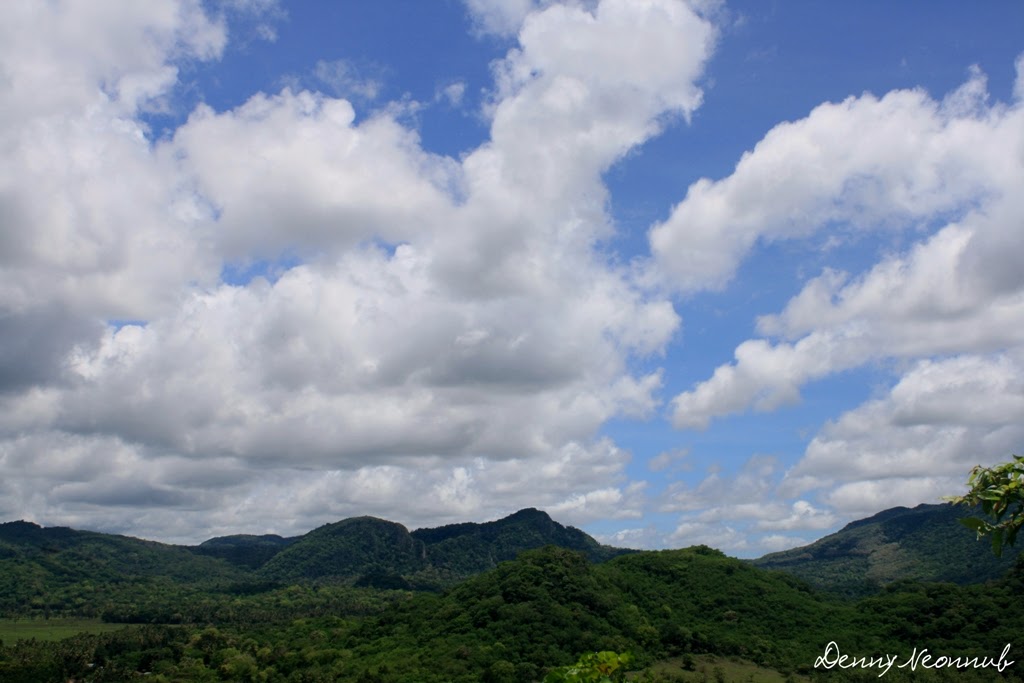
column 349, row 548
column 473, row 548
column 549, row 605
column 244, row 550
column 55, row 569
column 69, row 554
column 42, row 568
column 385, row 554
column 365, row 551
column 544, row 609
column 926, row 543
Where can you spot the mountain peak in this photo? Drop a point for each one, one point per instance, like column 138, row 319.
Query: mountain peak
column 925, row 543
column 528, row 514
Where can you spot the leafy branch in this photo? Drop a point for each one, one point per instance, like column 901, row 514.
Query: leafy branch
column 1000, row 493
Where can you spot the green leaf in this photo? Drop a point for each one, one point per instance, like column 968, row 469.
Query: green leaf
column 997, row 542
column 974, row 524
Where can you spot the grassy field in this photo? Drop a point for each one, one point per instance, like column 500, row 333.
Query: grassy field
column 12, row 630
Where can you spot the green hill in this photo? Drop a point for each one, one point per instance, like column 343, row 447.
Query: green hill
column 62, row 570
column 543, row 609
column 51, row 568
column 348, row 548
column 384, row 554
column 472, row 548
column 549, row 605
column 926, row 543
column 244, row 550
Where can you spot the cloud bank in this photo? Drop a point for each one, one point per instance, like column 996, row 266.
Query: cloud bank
column 282, row 314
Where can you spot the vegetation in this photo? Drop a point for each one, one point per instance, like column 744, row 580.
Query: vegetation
column 533, row 617
column 596, row 667
column 376, row 552
column 999, row 491
column 244, row 550
column 926, row 543
column 550, row 614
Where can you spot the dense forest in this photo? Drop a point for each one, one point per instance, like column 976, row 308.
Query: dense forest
column 365, row 600
column 925, row 543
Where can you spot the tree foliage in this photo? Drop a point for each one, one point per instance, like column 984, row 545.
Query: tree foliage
column 596, row 667
column 1000, row 493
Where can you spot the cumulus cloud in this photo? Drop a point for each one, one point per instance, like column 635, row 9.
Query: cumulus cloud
column 720, row 536
column 739, row 511
column 866, row 163
column 292, row 172
column 95, row 225
column 947, row 309
column 642, row 538
column 954, row 291
column 917, row 443
column 424, row 338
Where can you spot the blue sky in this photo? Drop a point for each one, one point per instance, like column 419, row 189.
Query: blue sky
column 731, row 273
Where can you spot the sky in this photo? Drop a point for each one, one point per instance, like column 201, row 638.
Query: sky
column 733, row 273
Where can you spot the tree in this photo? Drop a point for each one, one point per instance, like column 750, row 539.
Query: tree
column 598, row 667
column 1000, row 493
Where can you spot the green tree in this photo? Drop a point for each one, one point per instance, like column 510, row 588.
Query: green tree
column 1000, row 493
column 597, row 667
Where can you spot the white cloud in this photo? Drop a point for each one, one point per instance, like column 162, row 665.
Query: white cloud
column 95, row 225
column 662, row 461
column 453, row 93
column 719, row 536
column 801, row 515
column 89, row 480
column 863, row 498
column 957, row 290
column 345, row 80
column 293, row 172
column 734, row 511
column 499, row 17
column 948, row 309
column 868, row 163
column 917, row 443
column 773, row 543
column 448, row 346
column 645, row 538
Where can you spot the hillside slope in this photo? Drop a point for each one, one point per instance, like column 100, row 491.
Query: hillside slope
column 49, row 567
column 926, row 543
column 376, row 552
column 244, row 550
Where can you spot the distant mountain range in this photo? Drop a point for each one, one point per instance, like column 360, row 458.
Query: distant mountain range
column 925, row 543
column 385, row 554
column 39, row 564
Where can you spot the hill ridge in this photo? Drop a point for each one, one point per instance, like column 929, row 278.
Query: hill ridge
column 925, row 542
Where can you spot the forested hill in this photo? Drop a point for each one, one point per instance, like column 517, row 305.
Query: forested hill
column 926, row 543
column 385, row 554
column 37, row 561
column 245, row 550
column 50, row 569
column 670, row 609
column 73, row 554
